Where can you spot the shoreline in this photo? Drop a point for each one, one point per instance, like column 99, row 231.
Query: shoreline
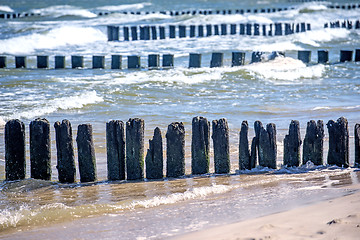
column 337, row 218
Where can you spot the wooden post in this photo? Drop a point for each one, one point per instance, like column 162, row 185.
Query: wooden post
column 77, row 61
column 65, row 152
column 220, row 136
column 208, row 30
column 216, row 59
column 233, row 29
column 168, row 60
column 134, row 34
column 40, row 149
column 133, row 62
column 116, row 61
column 135, row 148
column 175, row 150
column 216, row 30
column 238, row 59
column 256, row 29
column 200, row 145
column 200, row 31
column 154, row 157
column 304, row 56
column 223, row 29
column 15, row 164
column 244, row 153
column 267, row 146
column 195, row 60
column 115, row 149
column 126, row 33
column 346, row 55
column 162, row 32
column 338, row 142
column 42, row 61
column 323, row 56
column 172, row 31
column 59, row 62
column 2, row 61
column 192, row 31
column 98, row 62
column 153, row 61
column 153, row 33
column 86, row 153
column 292, row 143
column 20, row 61
column 313, row 143
column 182, row 31
column 357, row 144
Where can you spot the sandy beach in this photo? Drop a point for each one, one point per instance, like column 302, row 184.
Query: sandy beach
column 332, row 219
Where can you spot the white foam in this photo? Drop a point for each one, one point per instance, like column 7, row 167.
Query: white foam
column 64, row 103
column 124, row 7
column 65, row 10
column 62, row 36
column 317, row 37
column 5, row 8
column 2, row 122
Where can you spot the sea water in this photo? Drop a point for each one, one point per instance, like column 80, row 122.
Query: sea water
column 275, row 91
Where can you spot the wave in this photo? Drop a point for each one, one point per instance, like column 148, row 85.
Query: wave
column 64, row 10
column 63, row 103
column 62, row 36
column 5, row 8
column 124, row 7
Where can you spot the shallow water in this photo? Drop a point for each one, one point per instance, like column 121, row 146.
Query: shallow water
column 276, row 91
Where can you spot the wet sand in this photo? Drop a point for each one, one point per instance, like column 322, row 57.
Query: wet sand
column 332, row 219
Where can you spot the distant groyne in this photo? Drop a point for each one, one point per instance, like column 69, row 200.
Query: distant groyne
column 126, row 156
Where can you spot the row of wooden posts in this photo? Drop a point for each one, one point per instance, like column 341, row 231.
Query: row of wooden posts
column 134, row 62
column 159, row 32
column 125, row 158
column 348, row 24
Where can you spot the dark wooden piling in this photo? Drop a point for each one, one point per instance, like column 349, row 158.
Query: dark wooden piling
column 264, row 30
column 115, row 34
column 220, row 136
column 154, row 157
column 242, row 29
column 200, row 31
column 208, row 30
column 244, row 153
column 302, row 27
column 153, row 60
column 232, row 29
column 357, row 144
column 133, row 62
column 162, row 32
column 223, row 29
column 172, row 31
column 278, row 29
column 357, row 55
column 338, row 153
column 126, row 33
column 346, row 55
column 15, row 164
column 192, row 31
column 267, row 146
column 292, row 143
column 168, row 60
column 134, row 34
column 86, row 153
column 323, row 56
column 304, row 56
column 42, row 61
column 254, row 154
column 238, row 59
column 256, row 29
column 175, row 150
column 20, row 61
column 147, row 33
column 216, row 59
column 200, row 145
column 98, row 62
column 59, row 62
column 110, row 30
column 153, row 33
column 135, row 148
column 248, row 29
column 65, row 152
column 256, row 57
column 116, row 61
column 115, row 150
column 40, row 149
column 2, row 61
column 216, row 30
column 313, row 143
column 142, row 33
column 182, row 31
column 195, row 60
column 77, row 61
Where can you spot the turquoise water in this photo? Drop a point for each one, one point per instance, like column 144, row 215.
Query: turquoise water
column 274, row 91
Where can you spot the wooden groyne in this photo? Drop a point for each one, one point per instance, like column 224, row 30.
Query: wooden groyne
column 125, row 148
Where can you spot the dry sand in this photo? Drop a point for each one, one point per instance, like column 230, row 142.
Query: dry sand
column 332, row 219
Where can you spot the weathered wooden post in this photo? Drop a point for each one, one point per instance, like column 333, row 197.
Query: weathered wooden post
column 264, row 30
column 172, row 31
column 255, row 144
column 42, row 61
column 20, row 61
column 238, row 59
column 192, row 31
column 116, row 61
column 153, row 33
column 278, row 29
column 110, row 30
column 59, row 62
column 2, row 61
column 244, row 153
column 346, row 55
column 147, row 32
column 195, row 60
column 142, row 33
column 134, row 34
column 133, row 62
column 357, row 144
column 256, row 29
column 77, row 61
column 248, row 29
column 216, row 59
column 304, row 56
column 200, row 31
column 323, row 56
column 115, row 150
column 208, row 30
column 154, row 157
column 86, row 153
column 267, row 146
column 135, row 148
column 242, row 29
column 313, row 143
column 357, row 55
column 216, row 30
column 153, row 61
column 220, row 136
column 182, row 31
column 15, row 164
column 40, row 149
column 168, row 60
column 223, row 29
column 200, row 145
column 126, row 33
column 338, row 153
column 292, row 143
column 175, row 150
column 65, row 152
column 232, row 29
column 98, row 62
column 115, row 33
column 256, row 57
column 162, row 32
